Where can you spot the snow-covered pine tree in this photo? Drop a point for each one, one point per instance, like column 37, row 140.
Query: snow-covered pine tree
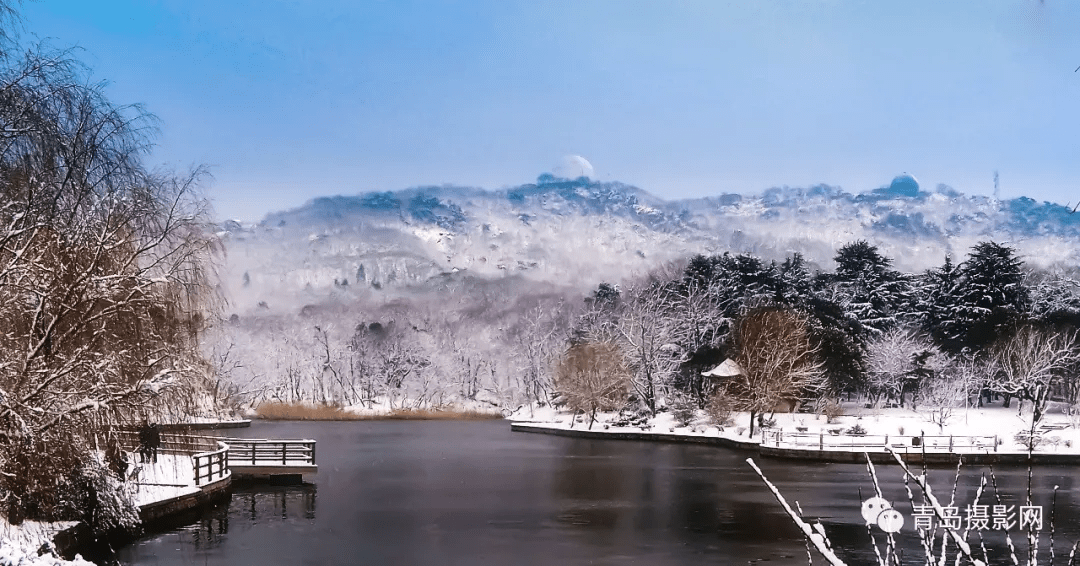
column 991, row 295
column 938, row 292
column 873, row 293
column 743, row 281
column 794, row 283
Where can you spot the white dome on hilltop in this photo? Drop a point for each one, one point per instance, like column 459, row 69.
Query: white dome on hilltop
column 573, row 166
column 904, row 184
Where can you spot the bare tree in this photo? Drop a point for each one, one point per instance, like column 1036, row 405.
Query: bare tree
column 778, row 360
column 1029, row 364
column 893, row 363
column 390, row 358
column 105, row 267
column 949, row 386
column 698, row 324
column 592, row 377
column 536, row 337
column 647, row 330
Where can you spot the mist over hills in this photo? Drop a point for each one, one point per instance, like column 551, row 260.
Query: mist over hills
column 575, row 233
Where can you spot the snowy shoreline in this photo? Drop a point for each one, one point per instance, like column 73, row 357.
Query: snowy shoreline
column 988, row 435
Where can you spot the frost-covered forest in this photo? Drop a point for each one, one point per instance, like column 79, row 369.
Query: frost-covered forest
column 927, row 338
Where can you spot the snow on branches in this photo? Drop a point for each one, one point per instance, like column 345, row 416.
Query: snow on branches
column 105, row 266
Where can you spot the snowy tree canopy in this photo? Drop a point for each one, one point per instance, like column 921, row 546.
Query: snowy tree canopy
column 872, row 292
column 991, row 294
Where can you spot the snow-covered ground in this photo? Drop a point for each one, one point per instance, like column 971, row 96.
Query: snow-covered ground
column 1059, row 432
column 172, row 476
column 209, row 420
column 19, row 545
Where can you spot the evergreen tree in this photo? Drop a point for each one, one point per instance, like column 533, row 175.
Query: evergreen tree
column 606, row 296
column 874, row 294
column 699, row 270
column 794, row 283
column 939, row 295
column 991, row 296
column 743, row 281
column 839, row 339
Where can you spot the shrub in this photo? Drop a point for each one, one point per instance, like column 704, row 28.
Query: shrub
column 1029, row 441
column 856, row 430
column 684, row 410
column 635, row 418
column 62, row 480
column 720, row 410
column 831, row 409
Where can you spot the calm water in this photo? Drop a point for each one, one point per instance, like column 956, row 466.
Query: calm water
column 435, row 493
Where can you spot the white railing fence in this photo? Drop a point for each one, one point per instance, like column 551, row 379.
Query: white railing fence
column 269, row 452
column 211, row 466
column 898, row 442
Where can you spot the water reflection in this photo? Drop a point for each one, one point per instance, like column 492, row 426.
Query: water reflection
column 263, row 502
column 249, row 508
column 419, row 493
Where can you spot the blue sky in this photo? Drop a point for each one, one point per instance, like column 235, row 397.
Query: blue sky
column 289, row 99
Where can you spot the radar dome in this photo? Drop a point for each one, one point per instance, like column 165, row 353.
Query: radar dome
column 904, row 185
column 573, row 167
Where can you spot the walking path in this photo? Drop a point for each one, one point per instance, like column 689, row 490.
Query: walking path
column 991, row 435
column 190, row 471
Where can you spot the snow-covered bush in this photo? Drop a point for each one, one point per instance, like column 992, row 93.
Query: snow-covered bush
column 856, row 430
column 684, row 409
column 62, row 479
column 720, row 410
column 832, row 410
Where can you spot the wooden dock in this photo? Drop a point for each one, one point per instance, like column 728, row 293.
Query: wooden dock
column 271, row 459
column 214, row 463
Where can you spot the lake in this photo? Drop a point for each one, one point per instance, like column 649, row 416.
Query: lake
column 439, row 493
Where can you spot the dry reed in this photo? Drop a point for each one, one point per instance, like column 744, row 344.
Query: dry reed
column 299, row 412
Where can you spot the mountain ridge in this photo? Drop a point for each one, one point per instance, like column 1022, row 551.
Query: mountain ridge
column 578, row 232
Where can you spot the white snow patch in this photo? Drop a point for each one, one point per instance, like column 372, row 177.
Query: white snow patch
column 1059, row 433
column 20, row 544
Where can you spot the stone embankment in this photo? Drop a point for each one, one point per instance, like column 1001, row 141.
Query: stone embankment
column 931, row 450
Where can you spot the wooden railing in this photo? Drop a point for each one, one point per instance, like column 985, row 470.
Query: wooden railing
column 170, row 443
column 266, row 452
column 899, row 443
column 211, row 466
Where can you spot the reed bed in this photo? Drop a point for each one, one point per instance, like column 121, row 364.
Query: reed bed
column 302, row 412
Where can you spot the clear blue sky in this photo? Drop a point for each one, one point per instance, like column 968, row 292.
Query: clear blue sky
column 290, row 99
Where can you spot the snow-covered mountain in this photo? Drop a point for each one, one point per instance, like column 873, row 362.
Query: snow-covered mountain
column 576, row 233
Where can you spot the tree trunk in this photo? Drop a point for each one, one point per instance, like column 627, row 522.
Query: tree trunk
column 753, row 414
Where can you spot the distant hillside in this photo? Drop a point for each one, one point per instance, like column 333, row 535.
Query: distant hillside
column 576, row 233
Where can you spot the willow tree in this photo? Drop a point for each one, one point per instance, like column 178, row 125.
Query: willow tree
column 592, row 377
column 779, row 362
column 105, row 276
